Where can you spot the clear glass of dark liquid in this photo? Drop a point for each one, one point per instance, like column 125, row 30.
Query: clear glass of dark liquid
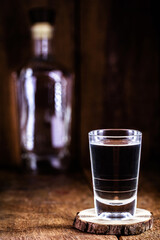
column 115, row 159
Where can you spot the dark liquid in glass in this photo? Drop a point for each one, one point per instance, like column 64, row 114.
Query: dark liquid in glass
column 115, row 167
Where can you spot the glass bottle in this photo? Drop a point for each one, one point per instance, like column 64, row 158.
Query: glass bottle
column 45, row 101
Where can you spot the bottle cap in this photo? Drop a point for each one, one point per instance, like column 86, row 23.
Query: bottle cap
column 41, row 30
column 42, row 15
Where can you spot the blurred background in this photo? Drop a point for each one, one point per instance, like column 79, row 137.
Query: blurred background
column 113, row 47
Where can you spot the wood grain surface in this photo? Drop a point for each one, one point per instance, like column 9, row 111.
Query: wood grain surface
column 119, row 71
column 44, row 207
column 149, row 197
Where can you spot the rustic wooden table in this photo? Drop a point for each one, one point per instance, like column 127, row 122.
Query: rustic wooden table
column 44, row 207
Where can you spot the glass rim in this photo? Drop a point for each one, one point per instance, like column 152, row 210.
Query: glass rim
column 95, row 132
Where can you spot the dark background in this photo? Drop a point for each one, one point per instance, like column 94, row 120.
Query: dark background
column 114, row 49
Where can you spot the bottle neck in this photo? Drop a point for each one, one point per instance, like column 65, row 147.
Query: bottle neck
column 42, row 48
column 42, row 40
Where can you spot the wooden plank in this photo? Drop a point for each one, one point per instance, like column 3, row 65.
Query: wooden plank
column 9, row 149
column 13, row 54
column 43, row 207
column 65, row 52
column 119, row 71
column 94, row 22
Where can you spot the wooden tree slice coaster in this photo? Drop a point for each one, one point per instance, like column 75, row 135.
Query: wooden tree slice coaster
column 87, row 221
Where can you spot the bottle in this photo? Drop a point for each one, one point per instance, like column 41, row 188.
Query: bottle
column 45, row 101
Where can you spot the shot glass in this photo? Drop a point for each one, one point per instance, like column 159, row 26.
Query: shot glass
column 115, row 160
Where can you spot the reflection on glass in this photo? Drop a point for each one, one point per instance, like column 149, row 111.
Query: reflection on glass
column 30, row 93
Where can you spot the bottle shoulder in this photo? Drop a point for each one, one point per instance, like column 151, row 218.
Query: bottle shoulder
column 44, row 67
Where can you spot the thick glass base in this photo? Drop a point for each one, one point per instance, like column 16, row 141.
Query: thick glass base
column 115, row 211
column 44, row 163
